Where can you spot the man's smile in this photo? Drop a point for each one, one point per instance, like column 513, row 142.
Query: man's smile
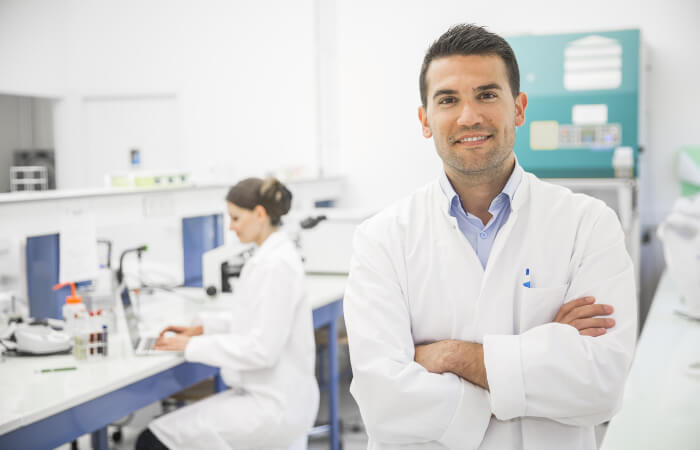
column 471, row 140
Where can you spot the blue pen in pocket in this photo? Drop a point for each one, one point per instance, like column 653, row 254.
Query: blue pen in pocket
column 526, row 278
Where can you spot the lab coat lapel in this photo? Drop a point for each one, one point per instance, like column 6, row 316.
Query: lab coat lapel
column 457, row 252
column 521, row 196
column 455, row 234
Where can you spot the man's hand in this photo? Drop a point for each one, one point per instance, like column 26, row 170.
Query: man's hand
column 582, row 314
column 432, row 356
column 464, row 359
column 185, row 331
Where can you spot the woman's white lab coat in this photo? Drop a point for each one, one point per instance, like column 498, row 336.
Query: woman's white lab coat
column 415, row 279
column 266, row 347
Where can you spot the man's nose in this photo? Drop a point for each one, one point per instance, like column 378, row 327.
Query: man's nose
column 469, row 116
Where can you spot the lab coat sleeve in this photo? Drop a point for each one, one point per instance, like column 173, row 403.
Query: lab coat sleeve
column 400, row 401
column 213, row 322
column 277, row 296
column 552, row 371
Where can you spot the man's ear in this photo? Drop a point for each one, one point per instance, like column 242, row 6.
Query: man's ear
column 423, row 118
column 520, row 105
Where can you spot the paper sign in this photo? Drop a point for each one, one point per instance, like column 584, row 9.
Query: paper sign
column 77, row 247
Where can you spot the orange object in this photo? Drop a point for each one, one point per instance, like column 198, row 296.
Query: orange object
column 73, row 297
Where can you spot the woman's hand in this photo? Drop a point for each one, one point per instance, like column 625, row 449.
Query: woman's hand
column 185, row 331
column 173, row 343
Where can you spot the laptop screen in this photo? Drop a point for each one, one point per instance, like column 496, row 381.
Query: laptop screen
column 132, row 322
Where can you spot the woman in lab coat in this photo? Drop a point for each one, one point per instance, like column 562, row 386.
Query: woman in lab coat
column 265, row 346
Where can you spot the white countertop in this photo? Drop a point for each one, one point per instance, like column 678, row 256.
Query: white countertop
column 661, row 407
column 32, row 196
column 28, row 395
column 29, row 196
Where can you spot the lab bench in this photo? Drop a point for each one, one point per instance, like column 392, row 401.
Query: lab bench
column 661, row 405
column 48, row 409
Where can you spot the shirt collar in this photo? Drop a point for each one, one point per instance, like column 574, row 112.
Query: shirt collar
column 509, row 189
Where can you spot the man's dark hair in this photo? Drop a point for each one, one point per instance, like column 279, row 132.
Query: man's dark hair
column 468, row 39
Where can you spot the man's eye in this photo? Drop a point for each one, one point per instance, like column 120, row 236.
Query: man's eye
column 447, row 100
column 487, row 95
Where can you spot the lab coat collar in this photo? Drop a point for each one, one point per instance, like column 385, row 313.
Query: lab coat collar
column 511, row 188
column 273, row 241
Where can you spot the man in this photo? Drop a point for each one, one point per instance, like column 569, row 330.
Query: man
column 488, row 309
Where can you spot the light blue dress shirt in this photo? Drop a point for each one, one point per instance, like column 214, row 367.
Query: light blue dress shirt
column 480, row 236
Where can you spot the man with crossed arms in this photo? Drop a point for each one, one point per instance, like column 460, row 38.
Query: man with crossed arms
column 488, row 309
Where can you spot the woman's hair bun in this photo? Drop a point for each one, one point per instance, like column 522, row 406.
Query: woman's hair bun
column 270, row 193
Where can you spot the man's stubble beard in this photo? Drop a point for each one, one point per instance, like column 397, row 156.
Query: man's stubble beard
column 481, row 175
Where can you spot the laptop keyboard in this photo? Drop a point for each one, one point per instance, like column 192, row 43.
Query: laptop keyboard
column 149, row 342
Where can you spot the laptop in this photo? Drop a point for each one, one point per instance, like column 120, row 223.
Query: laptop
column 143, row 345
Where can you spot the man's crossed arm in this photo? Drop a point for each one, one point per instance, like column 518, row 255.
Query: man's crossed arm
column 466, row 359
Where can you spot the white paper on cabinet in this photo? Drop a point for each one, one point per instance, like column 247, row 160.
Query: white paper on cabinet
column 77, row 247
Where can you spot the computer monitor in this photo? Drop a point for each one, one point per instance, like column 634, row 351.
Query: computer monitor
column 199, row 235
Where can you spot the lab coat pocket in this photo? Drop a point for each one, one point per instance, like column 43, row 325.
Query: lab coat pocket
column 540, row 305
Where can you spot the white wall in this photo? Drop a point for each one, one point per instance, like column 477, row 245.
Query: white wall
column 380, row 49
column 243, row 74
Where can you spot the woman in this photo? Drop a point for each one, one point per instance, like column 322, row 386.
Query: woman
column 265, row 347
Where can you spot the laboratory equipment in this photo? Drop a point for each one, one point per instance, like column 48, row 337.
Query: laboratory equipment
column 147, row 179
column 74, row 311
column 689, row 170
column 222, row 265
column 199, row 235
column 326, row 246
column 74, row 306
column 583, row 102
column 680, row 235
column 138, row 250
column 585, row 114
column 40, row 339
column 99, row 295
column 90, row 339
column 44, row 158
column 42, row 256
column 28, row 178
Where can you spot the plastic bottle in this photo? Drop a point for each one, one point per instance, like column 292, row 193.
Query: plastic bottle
column 80, row 337
column 623, row 162
column 74, row 308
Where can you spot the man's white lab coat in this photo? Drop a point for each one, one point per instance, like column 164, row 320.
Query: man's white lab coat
column 264, row 346
column 415, row 279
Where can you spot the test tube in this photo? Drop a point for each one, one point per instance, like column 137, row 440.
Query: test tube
column 104, row 338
